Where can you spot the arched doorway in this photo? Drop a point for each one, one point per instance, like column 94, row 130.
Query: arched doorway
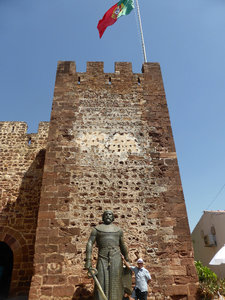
column 6, row 266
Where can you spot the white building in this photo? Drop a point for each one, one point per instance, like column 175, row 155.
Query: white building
column 208, row 237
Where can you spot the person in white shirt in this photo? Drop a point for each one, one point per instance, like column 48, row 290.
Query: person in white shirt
column 142, row 279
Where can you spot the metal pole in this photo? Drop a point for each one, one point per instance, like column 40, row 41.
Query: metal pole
column 142, row 36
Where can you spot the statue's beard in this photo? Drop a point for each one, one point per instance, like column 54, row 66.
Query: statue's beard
column 108, row 221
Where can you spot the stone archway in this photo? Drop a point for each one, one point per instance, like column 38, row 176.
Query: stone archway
column 13, row 240
column 6, row 267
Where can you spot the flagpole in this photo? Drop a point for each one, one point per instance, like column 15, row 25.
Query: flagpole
column 142, row 36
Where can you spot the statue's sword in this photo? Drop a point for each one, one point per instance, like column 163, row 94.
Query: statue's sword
column 92, row 272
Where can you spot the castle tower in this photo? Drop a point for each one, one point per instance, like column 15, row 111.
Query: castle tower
column 110, row 146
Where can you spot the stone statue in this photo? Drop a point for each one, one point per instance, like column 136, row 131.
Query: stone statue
column 109, row 240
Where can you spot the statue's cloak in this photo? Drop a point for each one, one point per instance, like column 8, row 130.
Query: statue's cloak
column 111, row 274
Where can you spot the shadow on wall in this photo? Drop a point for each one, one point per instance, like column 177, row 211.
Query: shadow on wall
column 18, row 221
column 82, row 293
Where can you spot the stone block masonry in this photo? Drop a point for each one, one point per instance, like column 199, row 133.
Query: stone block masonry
column 21, row 167
column 110, row 146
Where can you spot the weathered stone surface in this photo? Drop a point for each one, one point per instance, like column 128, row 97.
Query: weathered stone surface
column 181, row 290
column 111, row 146
column 21, row 167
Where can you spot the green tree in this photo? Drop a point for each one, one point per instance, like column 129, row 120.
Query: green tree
column 209, row 284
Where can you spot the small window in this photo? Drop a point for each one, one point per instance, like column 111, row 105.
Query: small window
column 213, row 230
column 78, row 80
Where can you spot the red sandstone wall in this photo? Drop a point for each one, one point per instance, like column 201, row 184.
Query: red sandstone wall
column 111, row 146
column 21, row 167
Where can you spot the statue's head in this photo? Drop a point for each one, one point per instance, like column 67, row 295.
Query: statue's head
column 108, row 217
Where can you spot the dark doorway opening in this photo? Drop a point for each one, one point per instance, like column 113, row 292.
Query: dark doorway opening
column 6, row 266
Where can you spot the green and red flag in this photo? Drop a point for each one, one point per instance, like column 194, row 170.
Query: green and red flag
column 123, row 7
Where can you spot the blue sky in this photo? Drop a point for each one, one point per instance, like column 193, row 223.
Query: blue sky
column 187, row 38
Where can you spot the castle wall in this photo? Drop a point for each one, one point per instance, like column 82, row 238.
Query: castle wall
column 21, row 167
column 110, row 146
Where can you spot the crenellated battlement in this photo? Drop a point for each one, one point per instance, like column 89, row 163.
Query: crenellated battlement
column 13, row 127
column 122, row 78
column 17, row 127
column 97, row 67
column 14, row 135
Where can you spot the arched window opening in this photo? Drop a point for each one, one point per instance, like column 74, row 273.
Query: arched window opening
column 6, row 266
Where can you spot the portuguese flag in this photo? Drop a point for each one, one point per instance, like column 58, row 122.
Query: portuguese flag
column 123, row 7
